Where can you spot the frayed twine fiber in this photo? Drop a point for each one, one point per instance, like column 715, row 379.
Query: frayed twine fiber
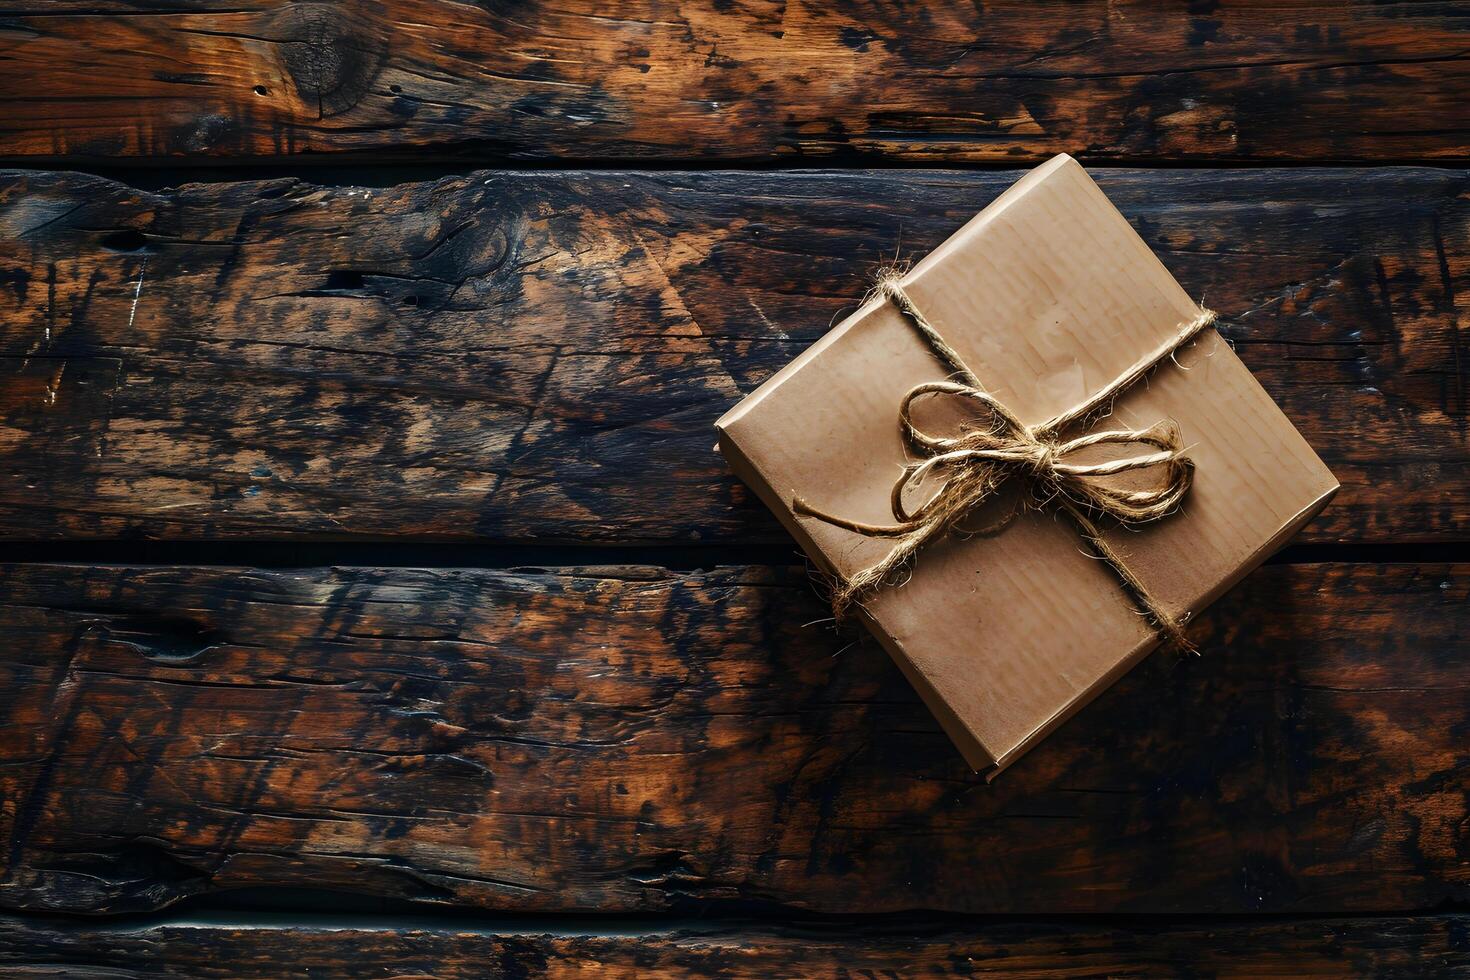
column 975, row 463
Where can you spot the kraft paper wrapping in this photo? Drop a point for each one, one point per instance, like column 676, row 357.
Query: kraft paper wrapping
column 1048, row 294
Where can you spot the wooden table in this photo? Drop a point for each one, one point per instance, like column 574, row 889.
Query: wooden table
column 374, row 603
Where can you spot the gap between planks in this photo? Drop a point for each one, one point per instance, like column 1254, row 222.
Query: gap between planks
column 387, row 168
column 492, row 555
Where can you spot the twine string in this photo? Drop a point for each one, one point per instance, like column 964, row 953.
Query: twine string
column 994, row 446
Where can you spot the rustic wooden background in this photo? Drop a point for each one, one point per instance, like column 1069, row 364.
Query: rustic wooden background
column 373, row 604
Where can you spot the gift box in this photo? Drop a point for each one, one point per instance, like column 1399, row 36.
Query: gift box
column 1085, row 459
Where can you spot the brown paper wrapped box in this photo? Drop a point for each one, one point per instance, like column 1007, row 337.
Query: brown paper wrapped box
column 1047, row 295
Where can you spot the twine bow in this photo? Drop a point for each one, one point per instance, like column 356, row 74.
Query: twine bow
column 995, row 447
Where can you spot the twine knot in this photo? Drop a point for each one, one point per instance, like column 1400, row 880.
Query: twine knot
column 993, row 447
column 1044, row 462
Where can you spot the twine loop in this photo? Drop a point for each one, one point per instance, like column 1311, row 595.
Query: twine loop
column 993, row 447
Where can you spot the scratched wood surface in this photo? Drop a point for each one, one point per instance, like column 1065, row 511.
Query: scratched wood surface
column 637, row 740
column 540, row 355
column 1008, row 80
column 629, row 770
column 1422, row 946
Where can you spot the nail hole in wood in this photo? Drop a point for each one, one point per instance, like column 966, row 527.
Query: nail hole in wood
column 126, row 240
column 344, row 279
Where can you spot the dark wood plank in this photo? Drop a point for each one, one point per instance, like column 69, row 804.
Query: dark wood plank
column 541, row 356
column 1431, row 945
column 631, row 739
column 758, row 80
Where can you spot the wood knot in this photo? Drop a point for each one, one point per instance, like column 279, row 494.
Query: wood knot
column 332, row 54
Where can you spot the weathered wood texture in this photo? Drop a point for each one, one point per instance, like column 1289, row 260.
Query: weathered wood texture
column 1430, row 945
column 759, row 80
column 630, row 739
column 541, row 356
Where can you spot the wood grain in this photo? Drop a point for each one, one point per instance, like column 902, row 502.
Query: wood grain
column 630, row 740
column 1426, row 945
column 758, row 80
column 541, row 356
